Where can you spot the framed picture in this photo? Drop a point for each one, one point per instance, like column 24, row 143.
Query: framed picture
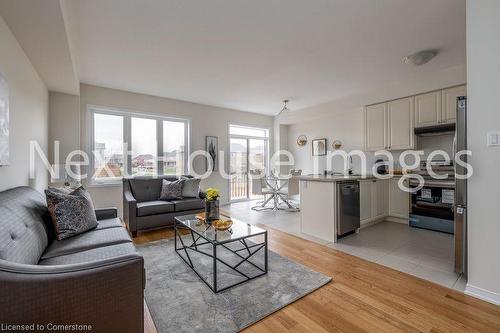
column 212, row 148
column 4, row 121
column 319, row 147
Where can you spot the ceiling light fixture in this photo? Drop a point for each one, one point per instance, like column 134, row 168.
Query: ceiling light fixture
column 421, row 57
column 284, row 108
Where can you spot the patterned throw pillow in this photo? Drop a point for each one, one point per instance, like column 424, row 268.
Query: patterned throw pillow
column 72, row 213
column 191, row 188
column 172, row 190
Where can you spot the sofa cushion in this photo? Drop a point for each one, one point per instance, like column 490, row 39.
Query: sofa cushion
column 72, row 212
column 191, row 187
column 154, row 207
column 25, row 227
column 109, row 223
column 188, row 204
column 172, row 190
column 100, row 253
column 145, row 189
column 87, row 241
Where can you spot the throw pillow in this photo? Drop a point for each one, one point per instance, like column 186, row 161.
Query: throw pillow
column 171, row 190
column 191, row 188
column 72, row 212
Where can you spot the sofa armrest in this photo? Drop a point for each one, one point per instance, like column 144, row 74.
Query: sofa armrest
column 106, row 294
column 106, row 213
column 130, row 210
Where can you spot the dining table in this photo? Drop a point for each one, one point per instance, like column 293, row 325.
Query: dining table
column 275, row 186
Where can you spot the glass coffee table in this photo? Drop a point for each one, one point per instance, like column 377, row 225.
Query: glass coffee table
column 221, row 259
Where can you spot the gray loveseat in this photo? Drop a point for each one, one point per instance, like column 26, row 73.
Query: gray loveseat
column 95, row 278
column 143, row 209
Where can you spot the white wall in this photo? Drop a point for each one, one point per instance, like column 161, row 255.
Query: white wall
column 483, row 74
column 28, row 113
column 346, row 126
column 205, row 120
column 64, row 124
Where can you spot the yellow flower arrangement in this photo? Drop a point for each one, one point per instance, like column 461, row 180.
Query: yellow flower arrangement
column 212, row 194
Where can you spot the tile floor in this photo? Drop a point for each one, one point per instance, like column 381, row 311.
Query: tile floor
column 422, row 253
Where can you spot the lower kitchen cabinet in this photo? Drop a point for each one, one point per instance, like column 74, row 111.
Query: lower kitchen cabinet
column 373, row 199
column 365, row 200
column 380, row 198
column 399, row 200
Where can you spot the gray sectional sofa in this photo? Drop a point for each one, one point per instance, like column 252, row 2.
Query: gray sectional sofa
column 95, row 278
column 143, row 209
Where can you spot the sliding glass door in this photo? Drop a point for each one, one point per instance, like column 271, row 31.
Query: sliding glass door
column 248, row 152
column 239, row 169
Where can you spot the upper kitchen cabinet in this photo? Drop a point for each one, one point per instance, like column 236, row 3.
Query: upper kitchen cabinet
column 389, row 125
column 400, row 124
column 428, row 109
column 375, row 127
column 438, row 107
column 449, row 103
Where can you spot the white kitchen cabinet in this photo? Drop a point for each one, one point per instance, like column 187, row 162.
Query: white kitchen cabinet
column 375, row 127
column 317, row 209
column 373, row 200
column 449, row 103
column 400, row 124
column 381, row 198
column 428, row 109
column 365, row 200
column 389, row 125
column 379, row 194
column 399, row 200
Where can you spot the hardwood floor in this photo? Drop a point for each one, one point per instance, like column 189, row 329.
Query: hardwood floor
column 363, row 297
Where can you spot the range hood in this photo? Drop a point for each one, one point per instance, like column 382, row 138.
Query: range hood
column 435, row 129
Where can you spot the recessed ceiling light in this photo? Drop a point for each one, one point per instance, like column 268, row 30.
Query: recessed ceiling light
column 421, row 57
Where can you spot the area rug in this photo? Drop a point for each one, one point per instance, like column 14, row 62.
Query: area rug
column 180, row 302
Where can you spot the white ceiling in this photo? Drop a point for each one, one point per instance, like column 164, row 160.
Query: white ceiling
column 40, row 28
column 249, row 55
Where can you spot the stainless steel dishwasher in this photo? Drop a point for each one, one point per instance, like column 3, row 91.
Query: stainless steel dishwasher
column 347, row 207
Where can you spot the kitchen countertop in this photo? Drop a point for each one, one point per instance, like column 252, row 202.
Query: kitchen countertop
column 337, row 178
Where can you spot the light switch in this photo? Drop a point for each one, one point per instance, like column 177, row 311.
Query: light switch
column 493, row 138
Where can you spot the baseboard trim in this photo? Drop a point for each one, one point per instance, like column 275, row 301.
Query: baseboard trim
column 397, row 219
column 483, row 294
column 370, row 222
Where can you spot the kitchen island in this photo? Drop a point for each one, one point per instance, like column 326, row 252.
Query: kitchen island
column 319, row 205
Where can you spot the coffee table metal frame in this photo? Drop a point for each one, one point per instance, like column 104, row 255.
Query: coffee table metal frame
column 198, row 240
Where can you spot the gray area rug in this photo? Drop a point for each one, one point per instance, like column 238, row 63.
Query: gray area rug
column 180, row 302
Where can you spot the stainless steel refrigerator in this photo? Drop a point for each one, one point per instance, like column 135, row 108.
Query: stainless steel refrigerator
column 460, row 206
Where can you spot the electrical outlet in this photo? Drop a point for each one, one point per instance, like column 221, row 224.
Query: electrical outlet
column 493, row 138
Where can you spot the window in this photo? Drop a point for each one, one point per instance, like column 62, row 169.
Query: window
column 155, row 145
column 248, row 131
column 144, row 147
column 108, row 147
column 174, row 157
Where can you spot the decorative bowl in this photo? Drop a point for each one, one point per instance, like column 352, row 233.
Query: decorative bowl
column 222, row 224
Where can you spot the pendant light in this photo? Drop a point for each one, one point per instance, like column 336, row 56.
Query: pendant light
column 284, row 108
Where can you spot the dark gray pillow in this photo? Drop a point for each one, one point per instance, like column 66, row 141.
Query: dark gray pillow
column 72, row 213
column 191, row 188
column 171, row 190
